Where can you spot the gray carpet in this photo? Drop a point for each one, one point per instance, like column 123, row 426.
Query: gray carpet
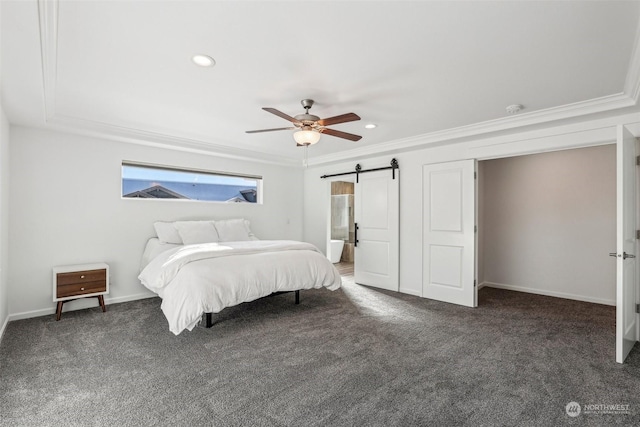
column 357, row 356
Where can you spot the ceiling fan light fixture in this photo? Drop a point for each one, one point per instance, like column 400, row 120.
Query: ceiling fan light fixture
column 310, row 127
column 203, row 60
column 306, row 137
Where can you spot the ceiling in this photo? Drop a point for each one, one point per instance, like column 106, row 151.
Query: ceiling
column 423, row 71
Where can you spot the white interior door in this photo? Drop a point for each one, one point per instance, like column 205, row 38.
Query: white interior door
column 449, row 214
column 626, row 317
column 377, row 217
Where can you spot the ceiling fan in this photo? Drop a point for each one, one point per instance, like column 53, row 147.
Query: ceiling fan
column 310, row 127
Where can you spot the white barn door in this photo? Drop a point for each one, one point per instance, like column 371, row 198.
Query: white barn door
column 626, row 281
column 377, row 217
column 449, row 214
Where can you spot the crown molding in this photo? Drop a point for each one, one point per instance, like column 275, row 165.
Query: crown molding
column 48, row 23
column 160, row 140
column 632, row 82
column 563, row 112
column 48, row 20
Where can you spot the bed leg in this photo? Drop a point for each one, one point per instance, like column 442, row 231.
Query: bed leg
column 297, row 297
column 208, row 320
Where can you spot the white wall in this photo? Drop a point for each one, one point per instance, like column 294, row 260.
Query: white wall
column 66, row 208
column 4, row 220
column 550, row 222
column 4, row 215
column 586, row 133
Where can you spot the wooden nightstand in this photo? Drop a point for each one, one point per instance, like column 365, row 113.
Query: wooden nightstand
column 80, row 281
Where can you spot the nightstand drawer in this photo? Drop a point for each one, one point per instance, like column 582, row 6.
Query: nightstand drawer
column 71, row 282
column 81, row 288
column 75, row 277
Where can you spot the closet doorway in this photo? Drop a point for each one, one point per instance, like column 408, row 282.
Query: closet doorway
column 562, row 224
column 547, row 223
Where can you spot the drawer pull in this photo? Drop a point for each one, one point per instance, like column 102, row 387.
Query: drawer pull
column 82, row 289
column 82, row 277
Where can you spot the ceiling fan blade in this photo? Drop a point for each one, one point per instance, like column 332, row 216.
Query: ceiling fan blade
column 343, row 118
column 268, row 130
column 341, row 134
column 281, row 114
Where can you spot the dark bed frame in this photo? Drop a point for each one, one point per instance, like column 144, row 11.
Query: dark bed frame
column 209, row 316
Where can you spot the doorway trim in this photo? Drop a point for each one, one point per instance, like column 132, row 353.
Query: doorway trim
column 490, row 153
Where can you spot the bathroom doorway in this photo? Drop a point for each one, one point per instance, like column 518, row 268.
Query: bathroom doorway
column 342, row 223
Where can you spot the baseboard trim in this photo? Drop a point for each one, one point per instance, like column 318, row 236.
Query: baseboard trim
column 51, row 310
column 3, row 328
column 128, row 298
column 33, row 313
column 547, row 293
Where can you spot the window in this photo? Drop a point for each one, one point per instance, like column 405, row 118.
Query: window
column 141, row 181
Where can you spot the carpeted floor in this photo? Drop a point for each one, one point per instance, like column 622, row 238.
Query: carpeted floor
column 356, row 356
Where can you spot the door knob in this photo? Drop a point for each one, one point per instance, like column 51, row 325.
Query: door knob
column 624, row 255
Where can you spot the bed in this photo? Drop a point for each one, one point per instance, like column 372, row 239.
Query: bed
column 202, row 267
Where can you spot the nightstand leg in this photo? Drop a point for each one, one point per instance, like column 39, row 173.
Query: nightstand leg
column 59, row 310
column 101, row 299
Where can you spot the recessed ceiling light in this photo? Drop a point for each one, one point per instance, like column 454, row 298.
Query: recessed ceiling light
column 371, row 126
column 203, row 60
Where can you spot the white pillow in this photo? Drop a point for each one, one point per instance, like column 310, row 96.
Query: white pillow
column 234, row 230
column 167, row 233
column 193, row 232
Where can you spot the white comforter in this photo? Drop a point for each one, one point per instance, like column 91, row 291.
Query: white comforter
column 207, row 277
